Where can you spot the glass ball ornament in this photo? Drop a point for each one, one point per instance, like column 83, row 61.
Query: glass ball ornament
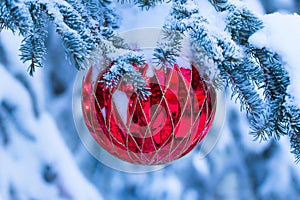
column 154, row 131
column 162, row 128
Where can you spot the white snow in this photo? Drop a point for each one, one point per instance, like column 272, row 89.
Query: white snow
column 209, row 12
column 132, row 17
column 23, row 159
column 255, row 6
column 282, row 172
column 171, row 187
column 201, row 165
column 34, row 141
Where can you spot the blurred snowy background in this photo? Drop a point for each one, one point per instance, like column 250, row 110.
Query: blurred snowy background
column 41, row 156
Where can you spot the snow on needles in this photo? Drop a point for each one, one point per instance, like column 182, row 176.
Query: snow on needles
column 282, row 34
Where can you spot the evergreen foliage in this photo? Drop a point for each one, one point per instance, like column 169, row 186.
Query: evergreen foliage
column 272, row 77
column 169, row 49
column 86, row 26
column 123, row 68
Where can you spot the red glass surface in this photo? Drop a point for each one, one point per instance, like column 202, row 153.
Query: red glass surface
column 168, row 125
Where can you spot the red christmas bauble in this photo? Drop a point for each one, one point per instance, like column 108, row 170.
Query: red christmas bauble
column 169, row 124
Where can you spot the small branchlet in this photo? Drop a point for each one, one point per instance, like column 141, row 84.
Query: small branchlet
column 293, row 119
column 144, row 4
column 123, row 69
column 275, row 92
column 33, row 45
column 168, row 50
column 242, row 23
column 220, row 5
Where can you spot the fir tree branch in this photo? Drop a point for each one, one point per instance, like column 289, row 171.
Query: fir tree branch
column 74, row 34
column 241, row 23
column 275, row 91
column 80, row 32
column 282, row 116
column 232, row 62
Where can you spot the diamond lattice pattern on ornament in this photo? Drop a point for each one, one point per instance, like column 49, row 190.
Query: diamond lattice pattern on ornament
column 168, row 125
